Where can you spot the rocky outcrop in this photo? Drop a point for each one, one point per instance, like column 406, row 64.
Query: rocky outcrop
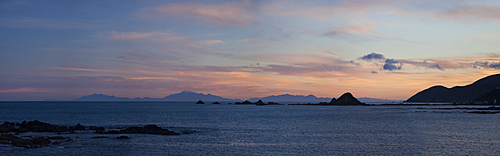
column 36, row 126
column 458, row 94
column 26, row 143
column 346, row 99
column 259, row 102
column 149, row 129
column 246, row 102
column 200, row 102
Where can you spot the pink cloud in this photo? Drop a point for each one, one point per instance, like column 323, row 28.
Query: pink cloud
column 353, row 29
column 206, row 43
column 474, row 11
column 156, row 36
column 24, row 22
column 23, row 90
column 232, row 13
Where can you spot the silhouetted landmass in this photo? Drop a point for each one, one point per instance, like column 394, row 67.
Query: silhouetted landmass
column 313, row 99
column 101, row 97
column 258, row 103
column 458, row 94
column 182, row 96
column 200, row 102
column 492, row 97
column 291, row 98
column 346, row 99
column 190, row 96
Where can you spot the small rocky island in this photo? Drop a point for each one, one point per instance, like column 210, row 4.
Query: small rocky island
column 9, row 132
column 346, row 99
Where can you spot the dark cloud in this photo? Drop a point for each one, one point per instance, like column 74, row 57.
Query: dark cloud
column 374, row 72
column 436, row 66
column 495, row 65
column 391, row 64
column 373, row 56
column 485, row 65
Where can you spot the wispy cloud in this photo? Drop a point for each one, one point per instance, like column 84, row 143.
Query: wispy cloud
column 23, row 90
column 27, row 22
column 206, row 43
column 230, row 13
column 473, row 11
column 339, row 9
column 157, row 36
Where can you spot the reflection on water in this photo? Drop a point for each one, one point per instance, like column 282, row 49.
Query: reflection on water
column 263, row 130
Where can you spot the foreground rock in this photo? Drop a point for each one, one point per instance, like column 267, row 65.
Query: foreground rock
column 36, row 126
column 26, row 143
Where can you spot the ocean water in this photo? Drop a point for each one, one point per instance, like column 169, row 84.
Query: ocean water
column 260, row 130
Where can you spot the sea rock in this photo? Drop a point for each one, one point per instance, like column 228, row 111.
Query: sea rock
column 79, row 127
column 8, row 137
column 57, row 138
column 7, row 127
column 200, row 102
column 259, row 102
column 346, row 99
column 333, row 100
column 216, row 102
column 36, row 126
column 149, row 129
column 31, row 143
column 100, row 130
column 246, row 102
column 123, row 137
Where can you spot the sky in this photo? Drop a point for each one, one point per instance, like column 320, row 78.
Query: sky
column 242, row 49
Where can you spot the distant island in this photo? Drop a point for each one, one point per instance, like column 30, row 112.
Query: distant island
column 286, row 98
column 483, row 91
column 182, row 96
column 346, row 99
column 193, row 96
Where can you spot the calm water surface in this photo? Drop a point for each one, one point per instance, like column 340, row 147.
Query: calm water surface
column 260, row 130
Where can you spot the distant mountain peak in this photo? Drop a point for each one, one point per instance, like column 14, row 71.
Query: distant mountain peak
column 100, row 97
column 181, row 96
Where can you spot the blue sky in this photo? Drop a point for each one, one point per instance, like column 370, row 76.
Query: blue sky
column 243, row 49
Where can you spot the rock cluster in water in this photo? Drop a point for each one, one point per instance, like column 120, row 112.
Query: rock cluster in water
column 258, row 103
column 7, row 128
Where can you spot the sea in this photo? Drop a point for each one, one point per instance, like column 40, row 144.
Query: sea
column 228, row 129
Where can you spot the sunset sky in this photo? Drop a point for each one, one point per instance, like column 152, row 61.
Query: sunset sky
column 243, row 49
